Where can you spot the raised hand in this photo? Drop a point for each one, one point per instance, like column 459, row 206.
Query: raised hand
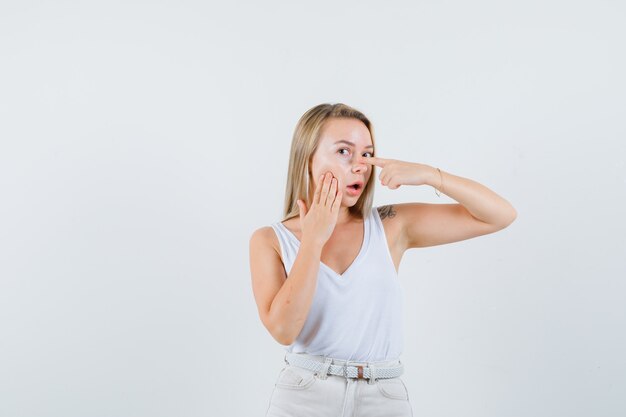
column 395, row 173
column 318, row 222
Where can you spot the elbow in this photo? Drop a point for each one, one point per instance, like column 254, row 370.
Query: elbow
column 510, row 218
column 280, row 335
column 285, row 342
column 283, row 338
column 283, row 331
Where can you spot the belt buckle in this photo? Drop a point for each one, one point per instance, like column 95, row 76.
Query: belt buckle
column 360, row 373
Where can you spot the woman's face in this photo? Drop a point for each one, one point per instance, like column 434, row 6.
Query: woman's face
column 342, row 142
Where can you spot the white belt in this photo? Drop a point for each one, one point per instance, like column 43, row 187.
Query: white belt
column 349, row 371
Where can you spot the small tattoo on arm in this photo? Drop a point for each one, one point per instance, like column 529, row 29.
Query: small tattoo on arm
column 386, row 211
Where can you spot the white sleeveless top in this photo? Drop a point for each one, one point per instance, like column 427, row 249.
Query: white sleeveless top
column 358, row 315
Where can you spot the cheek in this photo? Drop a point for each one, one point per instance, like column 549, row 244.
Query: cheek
column 328, row 168
column 323, row 169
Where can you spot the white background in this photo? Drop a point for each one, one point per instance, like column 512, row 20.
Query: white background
column 143, row 142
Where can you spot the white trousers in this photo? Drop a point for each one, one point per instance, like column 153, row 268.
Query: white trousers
column 299, row 392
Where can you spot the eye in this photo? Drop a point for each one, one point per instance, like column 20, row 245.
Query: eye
column 345, row 149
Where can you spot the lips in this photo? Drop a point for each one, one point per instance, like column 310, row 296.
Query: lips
column 357, row 185
column 355, row 188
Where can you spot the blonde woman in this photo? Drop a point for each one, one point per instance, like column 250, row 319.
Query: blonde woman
column 325, row 277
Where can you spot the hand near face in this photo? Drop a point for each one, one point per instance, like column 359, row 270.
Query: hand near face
column 318, row 221
column 395, row 173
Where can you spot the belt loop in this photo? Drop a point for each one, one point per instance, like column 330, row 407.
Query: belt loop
column 372, row 379
column 323, row 373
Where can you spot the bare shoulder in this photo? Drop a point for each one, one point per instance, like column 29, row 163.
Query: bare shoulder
column 264, row 237
column 267, row 273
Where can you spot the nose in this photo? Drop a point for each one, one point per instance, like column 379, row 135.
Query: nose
column 359, row 167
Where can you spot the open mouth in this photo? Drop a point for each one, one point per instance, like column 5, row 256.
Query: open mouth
column 355, row 189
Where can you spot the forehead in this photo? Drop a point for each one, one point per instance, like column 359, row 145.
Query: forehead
column 347, row 129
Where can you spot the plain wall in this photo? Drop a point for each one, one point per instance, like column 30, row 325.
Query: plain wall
column 143, row 142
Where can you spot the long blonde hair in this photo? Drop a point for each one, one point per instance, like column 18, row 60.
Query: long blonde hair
column 305, row 140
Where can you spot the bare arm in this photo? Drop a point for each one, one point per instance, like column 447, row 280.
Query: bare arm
column 291, row 305
column 284, row 302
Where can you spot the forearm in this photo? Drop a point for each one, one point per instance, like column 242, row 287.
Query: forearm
column 480, row 201
column 293, row 301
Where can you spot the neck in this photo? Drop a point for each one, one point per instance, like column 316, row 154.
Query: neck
column 344, row 216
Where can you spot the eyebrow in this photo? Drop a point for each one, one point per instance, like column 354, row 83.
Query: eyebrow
column 352, row 144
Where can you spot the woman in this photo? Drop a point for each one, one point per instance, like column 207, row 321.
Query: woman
column 325, row 277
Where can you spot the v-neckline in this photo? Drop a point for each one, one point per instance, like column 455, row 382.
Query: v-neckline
column 354, row 261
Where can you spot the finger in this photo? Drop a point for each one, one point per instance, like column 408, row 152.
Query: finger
column 303, row 209
column 372, row 160
column 332, row 192
column 337, row 201
column 318, row 190
column 325, row 187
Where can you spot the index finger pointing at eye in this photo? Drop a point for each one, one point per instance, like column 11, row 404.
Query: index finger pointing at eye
column 380, row 162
